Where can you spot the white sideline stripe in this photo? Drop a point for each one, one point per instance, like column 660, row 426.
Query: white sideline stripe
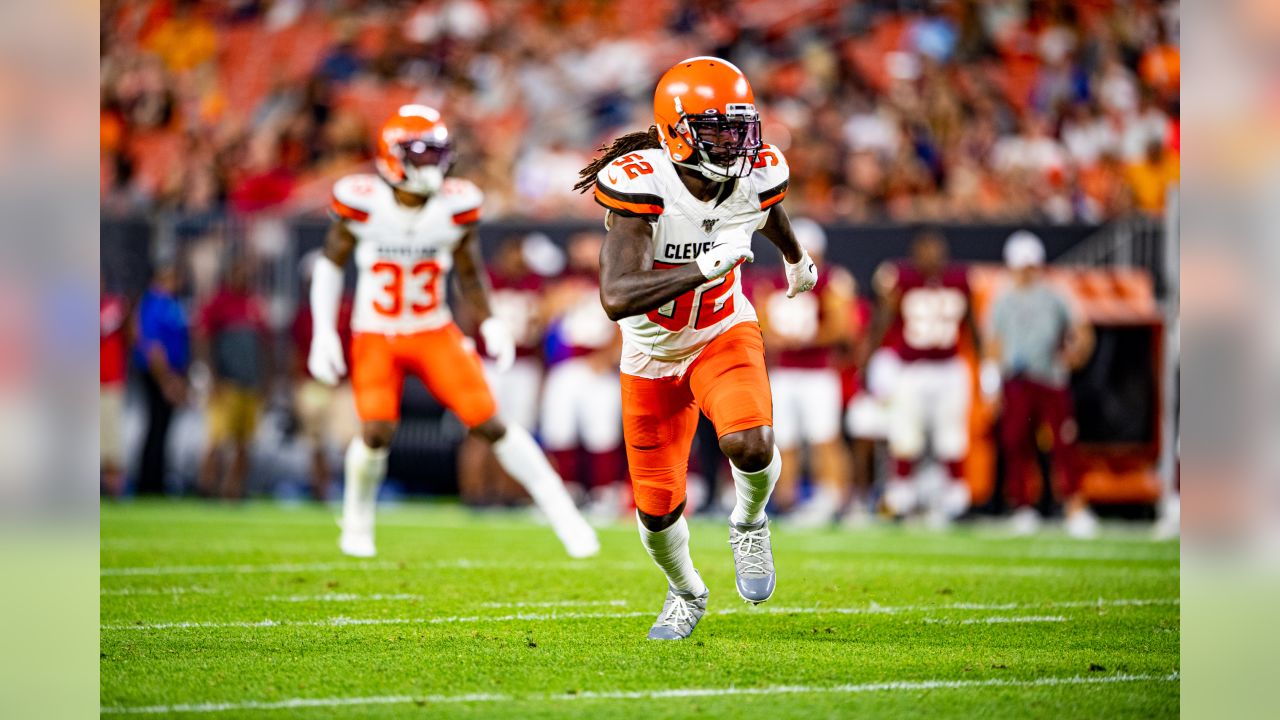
column 964, row 569
column 997, row 620
column 890, row 686
column 872, row 609
column 341, row 597
column 462, row 564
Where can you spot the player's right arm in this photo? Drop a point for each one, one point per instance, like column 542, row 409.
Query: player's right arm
column 325, row 359
column 885, row 284
column 628, row 283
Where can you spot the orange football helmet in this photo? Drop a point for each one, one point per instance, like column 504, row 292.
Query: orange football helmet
column 706, row 116
column 414, row 150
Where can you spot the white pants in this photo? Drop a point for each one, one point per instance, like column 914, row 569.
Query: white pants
column 516, row 391
column 806, row 406
column 581, row 405
column 930, row 399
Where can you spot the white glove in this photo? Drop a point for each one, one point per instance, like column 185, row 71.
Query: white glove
column 731, row 248
column 989, row 379
column 499, row 344
column 802, row 276
column 325, row 360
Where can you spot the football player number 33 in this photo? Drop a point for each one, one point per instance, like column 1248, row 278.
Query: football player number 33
column 423, row 295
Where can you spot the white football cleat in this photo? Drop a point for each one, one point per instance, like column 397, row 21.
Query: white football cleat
column 900, row 497
column 357, row 543
column 578, row 538
column 1025, row 521
column 1082, row 524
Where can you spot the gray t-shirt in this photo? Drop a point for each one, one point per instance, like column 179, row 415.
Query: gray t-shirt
column 1031, row 324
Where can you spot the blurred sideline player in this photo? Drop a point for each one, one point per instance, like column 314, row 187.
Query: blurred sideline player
column 802, row 333
column 926, row 305
column 582, row 403
column 407, row 227
column 515, row 298
column 683, row 200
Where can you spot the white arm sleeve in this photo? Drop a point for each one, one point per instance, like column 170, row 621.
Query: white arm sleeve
column 326, row 295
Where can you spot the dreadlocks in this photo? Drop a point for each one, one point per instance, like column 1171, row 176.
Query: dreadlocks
column 629, row 143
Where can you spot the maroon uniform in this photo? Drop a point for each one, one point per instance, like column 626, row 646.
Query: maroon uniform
column 930, row 313
column 797, row 319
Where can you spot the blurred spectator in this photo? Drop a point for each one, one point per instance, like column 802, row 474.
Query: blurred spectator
column 326, row 415
column 162, row 354
column 1035, row 342
column 1152, row 177
column 886, row 111
column 113, row 349
column 232, row 341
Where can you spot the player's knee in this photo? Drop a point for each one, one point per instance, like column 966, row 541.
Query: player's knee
column 377, row 434
column 749, row 450
column 490, row 430
column 658, row 523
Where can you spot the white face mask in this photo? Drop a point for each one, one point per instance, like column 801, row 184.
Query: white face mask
column 422, row 180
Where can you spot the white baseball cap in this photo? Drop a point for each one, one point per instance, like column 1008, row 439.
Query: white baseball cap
column 1023, row 250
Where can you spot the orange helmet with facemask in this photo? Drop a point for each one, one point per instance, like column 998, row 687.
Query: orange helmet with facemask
column 414, row 150
column 706, row 116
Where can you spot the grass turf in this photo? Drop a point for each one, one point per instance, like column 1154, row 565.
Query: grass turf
column 251, row 612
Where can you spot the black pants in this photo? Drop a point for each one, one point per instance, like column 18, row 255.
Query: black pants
column 154, row 463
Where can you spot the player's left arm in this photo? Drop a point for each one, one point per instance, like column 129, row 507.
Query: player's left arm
column 777, row 230
column 473, row 281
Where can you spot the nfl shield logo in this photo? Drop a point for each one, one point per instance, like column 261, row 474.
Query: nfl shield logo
column 708, row 224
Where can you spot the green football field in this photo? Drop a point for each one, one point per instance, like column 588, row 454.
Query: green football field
column 250, row 611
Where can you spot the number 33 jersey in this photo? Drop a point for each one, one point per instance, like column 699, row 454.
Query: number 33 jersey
column 403, row 255
column 644, row 184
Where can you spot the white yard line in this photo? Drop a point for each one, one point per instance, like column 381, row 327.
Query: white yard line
column 996, row 620
column 556, row 603
column 343, row 597
column 850, row 689
column 872, row 609
column 160, row 591
column 462, row 564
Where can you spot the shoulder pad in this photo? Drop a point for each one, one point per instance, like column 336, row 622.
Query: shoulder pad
column 629, row 185
column 464, row 200
column 769, row 176
column 354, row 197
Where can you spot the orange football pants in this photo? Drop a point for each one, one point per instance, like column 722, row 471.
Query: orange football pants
column 728, row 382
column 440, row 358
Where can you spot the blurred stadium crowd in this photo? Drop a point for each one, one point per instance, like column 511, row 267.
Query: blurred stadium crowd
column 905, row 110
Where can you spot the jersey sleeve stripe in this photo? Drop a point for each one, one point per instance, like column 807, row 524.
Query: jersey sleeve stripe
column 467, row 217
column 627, row 209
column 339, row 209
column 632, row 198
column 773, row 195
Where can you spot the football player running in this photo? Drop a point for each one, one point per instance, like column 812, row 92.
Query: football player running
column 407, row 227
column 682, row 201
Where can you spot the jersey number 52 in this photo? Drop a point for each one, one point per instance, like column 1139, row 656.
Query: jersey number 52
column 678, row 314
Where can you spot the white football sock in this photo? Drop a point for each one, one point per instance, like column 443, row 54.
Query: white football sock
column 520, row 456
column 365, row 468
column 753, row 490
column 670, row 550
column 524, row 461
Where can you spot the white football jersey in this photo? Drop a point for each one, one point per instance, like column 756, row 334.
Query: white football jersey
column 403, row 255
column 644, row 184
